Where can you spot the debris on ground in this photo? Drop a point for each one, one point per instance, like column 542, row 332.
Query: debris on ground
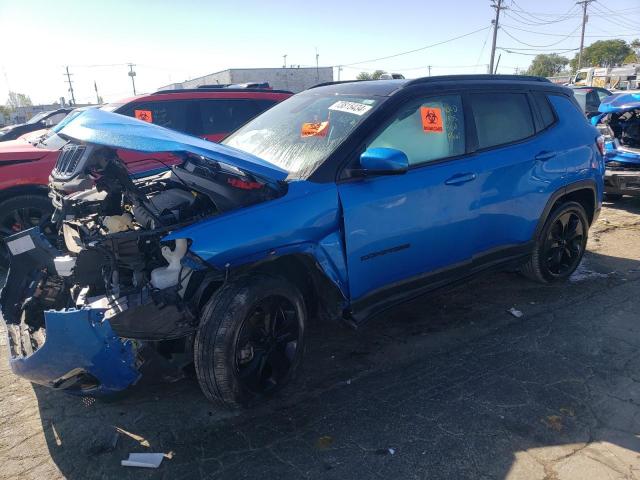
column 143, row 460
column 324, row 442
column 554, row 422
column 515, row 312
column 583, row 273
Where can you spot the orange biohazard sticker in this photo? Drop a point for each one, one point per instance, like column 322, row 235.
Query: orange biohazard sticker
column 314, row 129
column 431, row 119
column 144, row 115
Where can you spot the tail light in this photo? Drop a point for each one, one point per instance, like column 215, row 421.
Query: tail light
column 600, row 144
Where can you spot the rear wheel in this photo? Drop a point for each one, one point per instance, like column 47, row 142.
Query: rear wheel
column 251, row 340
column 21, row 213
column 560, row 245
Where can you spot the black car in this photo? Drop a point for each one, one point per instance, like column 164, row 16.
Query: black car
column 41, row 120
column 589, row 98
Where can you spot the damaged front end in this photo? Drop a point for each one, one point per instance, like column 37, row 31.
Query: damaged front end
column 619, row 124
column 87, row 310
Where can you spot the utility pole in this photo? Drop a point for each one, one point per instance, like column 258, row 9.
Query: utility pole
column 339, row 70
column 132, row 74
column 284, row 61
column 317, row 65
column 497, row 4
column 95, row 86
column 497, row 63
column 429, row 68
column 585, row 18
column 73, row 98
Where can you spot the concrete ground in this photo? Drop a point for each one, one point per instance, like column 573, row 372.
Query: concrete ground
column 449, row 386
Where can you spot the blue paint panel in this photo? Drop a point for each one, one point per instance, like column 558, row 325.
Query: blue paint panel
column 119, row 131
column 620, row 103
column 305, row 220
column 80, row 339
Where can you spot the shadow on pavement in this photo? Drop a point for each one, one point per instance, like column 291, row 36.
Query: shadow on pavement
column 450, row 386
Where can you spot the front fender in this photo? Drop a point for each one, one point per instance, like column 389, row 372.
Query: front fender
column 306, row 220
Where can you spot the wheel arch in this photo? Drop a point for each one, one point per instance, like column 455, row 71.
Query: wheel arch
column 34, row 189
column 323, row 297
column 583, row 192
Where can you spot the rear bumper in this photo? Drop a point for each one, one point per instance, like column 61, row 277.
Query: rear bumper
column 622, row 182
column 81, row 354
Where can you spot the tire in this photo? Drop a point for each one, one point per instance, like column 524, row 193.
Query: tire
column 238, row 359
column 557, row 252
column 612, row 197
column 21, row 212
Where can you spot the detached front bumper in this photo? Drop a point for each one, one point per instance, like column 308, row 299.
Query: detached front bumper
column 622, row 182
column 81, row 354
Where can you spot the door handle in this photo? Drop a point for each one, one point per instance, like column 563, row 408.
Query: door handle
column 544, row 155
column 460, row 178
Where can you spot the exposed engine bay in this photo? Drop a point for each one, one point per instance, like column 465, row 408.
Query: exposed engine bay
column 623, row 127
column 109, row 254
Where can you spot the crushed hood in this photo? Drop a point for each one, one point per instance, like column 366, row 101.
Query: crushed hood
column 118, row 131
column 620, row 103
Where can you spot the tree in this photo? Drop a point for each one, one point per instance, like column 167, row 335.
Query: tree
column 370, row 76
column 547, row 65
column 603, row 53
column 634, row 56
column 17, row 100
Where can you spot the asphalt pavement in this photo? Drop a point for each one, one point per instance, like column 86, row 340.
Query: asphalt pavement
column 448, row 386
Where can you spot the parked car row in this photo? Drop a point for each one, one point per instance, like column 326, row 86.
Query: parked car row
column 338, row 202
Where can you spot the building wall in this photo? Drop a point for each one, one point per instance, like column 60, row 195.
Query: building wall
column 293, row 79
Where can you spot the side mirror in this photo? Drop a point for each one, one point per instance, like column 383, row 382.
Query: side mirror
column 383, row 161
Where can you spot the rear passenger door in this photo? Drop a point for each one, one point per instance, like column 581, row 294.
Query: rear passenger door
column 518, row 162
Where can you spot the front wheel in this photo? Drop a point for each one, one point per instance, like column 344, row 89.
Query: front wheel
column 560, row 246
column 251, row 339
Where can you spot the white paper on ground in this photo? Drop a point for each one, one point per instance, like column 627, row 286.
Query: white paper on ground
column 144, row 460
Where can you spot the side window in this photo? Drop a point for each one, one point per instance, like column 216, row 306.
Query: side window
column 54, row 119
column 172, row 114
column 546, row 113
column 225, row 116
column 501, row 118
column 602, row 95
column 427, row 129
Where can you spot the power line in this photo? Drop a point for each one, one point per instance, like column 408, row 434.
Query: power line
column 412, row 51
column 560, row 35
column 541, row 46
column 559, row 52
column 604, row 15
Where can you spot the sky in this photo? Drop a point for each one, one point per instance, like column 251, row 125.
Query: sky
column 171, row 41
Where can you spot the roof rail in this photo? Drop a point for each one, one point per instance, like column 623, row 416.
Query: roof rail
column 220, row 90
column 446, row 78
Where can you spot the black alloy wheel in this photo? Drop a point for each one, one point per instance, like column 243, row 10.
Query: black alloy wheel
column 267, row 345
column 564, row 244
column 560, row 244
column 251, row 338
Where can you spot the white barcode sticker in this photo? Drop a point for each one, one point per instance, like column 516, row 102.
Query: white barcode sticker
column 20, row 245
column 350, row 107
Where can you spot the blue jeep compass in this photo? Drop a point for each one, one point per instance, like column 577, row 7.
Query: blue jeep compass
column 339, row 202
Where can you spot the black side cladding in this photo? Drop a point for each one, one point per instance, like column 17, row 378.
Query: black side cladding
column 31, row 253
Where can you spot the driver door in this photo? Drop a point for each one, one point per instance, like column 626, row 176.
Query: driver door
column 401, row 230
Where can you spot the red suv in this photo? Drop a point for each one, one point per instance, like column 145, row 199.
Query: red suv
column 25, row 165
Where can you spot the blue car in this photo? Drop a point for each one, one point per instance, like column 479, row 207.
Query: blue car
column 619, row 123
column 337, row 203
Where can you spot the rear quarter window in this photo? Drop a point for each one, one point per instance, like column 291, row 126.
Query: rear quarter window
column 501, row 118
column 547, row 117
